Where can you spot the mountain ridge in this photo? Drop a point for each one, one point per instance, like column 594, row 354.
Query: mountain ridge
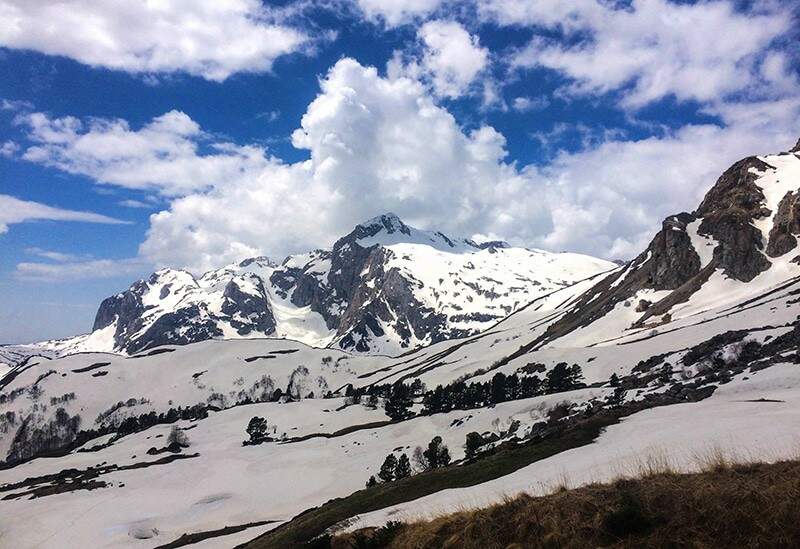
column 385, row 287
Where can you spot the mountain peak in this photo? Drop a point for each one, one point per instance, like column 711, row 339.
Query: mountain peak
column 390, row 222
column 796, row 148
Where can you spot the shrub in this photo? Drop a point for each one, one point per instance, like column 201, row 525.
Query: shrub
column 257, row 429
column 473, row 443
column 177, row 438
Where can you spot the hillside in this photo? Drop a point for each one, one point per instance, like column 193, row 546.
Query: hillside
column 580, row 383
column 726, row 505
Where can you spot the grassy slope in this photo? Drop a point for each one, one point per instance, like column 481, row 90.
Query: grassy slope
column 505, row 461
column 725, row 506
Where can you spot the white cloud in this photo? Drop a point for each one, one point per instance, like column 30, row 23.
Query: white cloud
column 652, row 48
column 383, row 144
column 14, row 210
column 205, row 38
column 131, row 203
column 80, row 270
column 398, row 12
column 164, row 155
column 525, row 104
column 452, row 57
column 8, row 149
column 52, row 255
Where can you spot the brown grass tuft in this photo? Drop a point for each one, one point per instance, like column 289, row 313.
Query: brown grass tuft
column 727, row 505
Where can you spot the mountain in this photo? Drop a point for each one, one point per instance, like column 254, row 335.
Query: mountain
column 384, row 288
column 688, row 352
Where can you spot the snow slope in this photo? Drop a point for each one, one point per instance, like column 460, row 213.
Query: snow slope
column 682, row 436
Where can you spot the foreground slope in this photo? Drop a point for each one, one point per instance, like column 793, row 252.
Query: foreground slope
column 726, row 505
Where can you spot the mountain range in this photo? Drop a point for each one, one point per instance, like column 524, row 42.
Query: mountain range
column 384, row 288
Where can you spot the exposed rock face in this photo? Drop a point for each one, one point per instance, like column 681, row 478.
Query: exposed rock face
column 364, row 294
column 144, row 315
column 785, row 225
column 728, row 210
column 729, row 214
column 673, row 259
column 796, row 147
column 248, row 312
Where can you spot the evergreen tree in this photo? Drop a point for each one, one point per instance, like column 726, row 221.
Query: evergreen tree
column 473, row 443
column 257, row 429
column 616, row 399
column 613, row 381
column 437, row 454
column 386, row 474
column 563, row 378
column 530, row 386
column 371, row 482
column 403, row 468
column 398, row 405
column 444, row 457
column 498, row 390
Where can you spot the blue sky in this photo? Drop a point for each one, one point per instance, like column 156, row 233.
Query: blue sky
column 200, row 133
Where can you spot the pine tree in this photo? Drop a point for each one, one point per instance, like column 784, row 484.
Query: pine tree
column 387, row 472
column 257, row 429
column 403, row 468
column 563, row 378
column 498, row 390
column 398, row 405
column 613, row 381
column 371, row 482
column 437, row 455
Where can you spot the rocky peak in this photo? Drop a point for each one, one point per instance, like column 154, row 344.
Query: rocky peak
column 388, row 222
column 261, row 261
column 796, row 147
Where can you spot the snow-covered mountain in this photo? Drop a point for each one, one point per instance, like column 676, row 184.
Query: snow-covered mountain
column 701, row 333
column 384, row 288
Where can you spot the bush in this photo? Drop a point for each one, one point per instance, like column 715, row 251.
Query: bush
column 177, row 438
column 473, row 443
column 257, row 429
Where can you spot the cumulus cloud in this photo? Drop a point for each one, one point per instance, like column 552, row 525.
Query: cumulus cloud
column 14, row 210
column 452, row 57
column 382, row 143
column 397, row 12
column 363, row 135
column 652, row 48
column 164, row 155
column 8, row 149
column 206, row 38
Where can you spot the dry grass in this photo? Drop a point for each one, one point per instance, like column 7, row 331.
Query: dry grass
column 727, row 505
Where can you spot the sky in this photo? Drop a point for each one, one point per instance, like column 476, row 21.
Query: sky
column 195, row 133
